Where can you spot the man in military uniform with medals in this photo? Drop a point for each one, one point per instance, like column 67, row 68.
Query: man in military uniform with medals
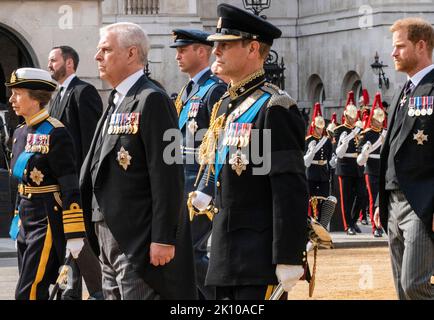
column 194, row 106
column 347, row 170
column 369, row 155
column 260, row 232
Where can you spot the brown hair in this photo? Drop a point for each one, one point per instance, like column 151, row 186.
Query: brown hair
column 42, row 96
column 264, row 49
column 418, row 29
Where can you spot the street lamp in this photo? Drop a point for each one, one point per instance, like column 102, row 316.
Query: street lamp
column 256, row 5
column 377, row 67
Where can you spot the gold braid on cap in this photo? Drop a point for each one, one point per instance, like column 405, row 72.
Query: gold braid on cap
column 178, row 101
column 208, row 146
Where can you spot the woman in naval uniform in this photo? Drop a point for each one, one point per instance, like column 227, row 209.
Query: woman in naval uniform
column 48, row 216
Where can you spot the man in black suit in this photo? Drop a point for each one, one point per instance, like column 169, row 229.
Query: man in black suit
column 137, row 224
column 406, row 196
column 78, row 106
column 194, row 105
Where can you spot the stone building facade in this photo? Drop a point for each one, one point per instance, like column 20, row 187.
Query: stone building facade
column 327, row 45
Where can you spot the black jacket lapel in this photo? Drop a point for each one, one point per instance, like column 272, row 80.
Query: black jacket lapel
column 130, row 98
column 424, row 88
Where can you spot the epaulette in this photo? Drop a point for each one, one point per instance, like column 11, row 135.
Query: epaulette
column 278, row 96
column 366, row 130
column 307, row 137
column 56, row 123
column 342, row 125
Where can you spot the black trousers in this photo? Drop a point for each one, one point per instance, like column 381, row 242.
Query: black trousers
column 372, row 188
column 244, row 292
column 38, row 263
column 319, row 188
column 200, row 232
column 353, row 199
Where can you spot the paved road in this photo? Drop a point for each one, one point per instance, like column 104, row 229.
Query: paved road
column 8, row 278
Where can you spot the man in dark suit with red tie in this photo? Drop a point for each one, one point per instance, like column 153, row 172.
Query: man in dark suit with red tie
column 406, row 189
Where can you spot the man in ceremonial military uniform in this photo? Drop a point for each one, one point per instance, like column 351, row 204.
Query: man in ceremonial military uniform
column 318, row 153
column 369, row 155
column 347, row 170
column 260, row 232
column 194, row 106
column 48, row 217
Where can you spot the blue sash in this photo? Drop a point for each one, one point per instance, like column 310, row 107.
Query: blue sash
column 183, row 117
column 14, row 229
column 247, row 117
column 21, row 163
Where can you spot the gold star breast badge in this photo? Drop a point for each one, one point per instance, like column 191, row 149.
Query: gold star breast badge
column 238, row 161
column 36, row 176
column 420, row 137
column 124, row 158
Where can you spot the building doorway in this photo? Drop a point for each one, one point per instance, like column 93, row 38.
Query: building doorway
column 16, row 53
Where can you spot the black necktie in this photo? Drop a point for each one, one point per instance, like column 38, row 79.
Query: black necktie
column 111, row 108
column 400, row 113
column 98, row 146
column 54, row 109
column 187, row 90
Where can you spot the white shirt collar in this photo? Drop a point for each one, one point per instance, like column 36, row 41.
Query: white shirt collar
column 199, row 75
column 125, row 86
column 420, row 75
column 66, row 83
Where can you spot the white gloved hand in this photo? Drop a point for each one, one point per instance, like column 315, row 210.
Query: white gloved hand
column 288, row 275
column 201, row 200
column 74, row 247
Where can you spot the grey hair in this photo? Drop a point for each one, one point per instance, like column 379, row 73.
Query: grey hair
column 130, row 34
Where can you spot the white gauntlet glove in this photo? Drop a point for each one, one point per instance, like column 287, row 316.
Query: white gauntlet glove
column 288, row 275
column 74, row 247
column 201, row 201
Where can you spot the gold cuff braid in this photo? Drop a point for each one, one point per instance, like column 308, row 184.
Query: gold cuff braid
column 210, row 211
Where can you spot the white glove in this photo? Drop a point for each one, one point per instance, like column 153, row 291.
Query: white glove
column 201, row 200
column 362, row 158
column 288, row 275
column 74, row 247
column 341, row 150
column 308, row 158
column 309, row 246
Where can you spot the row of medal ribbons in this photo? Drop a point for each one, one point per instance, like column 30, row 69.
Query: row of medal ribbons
column 237, row 135
column 124, row 123
column 420, row 106
column 38, row 143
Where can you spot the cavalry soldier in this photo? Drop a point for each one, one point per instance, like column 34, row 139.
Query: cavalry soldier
column 260, row 233
column 194, row 106
column 318, row 153
column 347, row 170
column 369, row 155
column 48, row 209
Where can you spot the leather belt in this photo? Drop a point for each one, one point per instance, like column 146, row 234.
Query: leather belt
column 350, row 155
column 319, row 162
column 27, row 191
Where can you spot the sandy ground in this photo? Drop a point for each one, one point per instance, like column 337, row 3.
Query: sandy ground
column 353, row 274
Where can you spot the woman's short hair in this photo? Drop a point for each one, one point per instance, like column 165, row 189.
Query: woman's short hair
column 42, row 96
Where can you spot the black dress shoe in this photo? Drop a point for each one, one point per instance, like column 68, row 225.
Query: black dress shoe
column 377, row 233
column 365, row 222
column 357, row 229
column 351, row 231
